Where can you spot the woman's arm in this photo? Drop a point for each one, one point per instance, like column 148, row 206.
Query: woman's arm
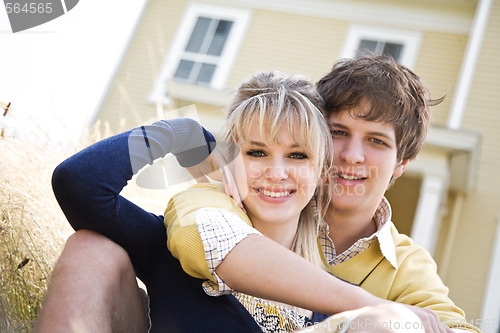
column 260, row 267
column 213, row 239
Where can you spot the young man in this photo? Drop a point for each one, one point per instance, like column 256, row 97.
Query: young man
column 378, row 112
column 381, row 260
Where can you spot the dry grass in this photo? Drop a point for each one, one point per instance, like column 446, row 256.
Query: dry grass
column 32, row 230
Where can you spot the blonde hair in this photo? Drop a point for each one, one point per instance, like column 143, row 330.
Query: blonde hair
column 273, row 100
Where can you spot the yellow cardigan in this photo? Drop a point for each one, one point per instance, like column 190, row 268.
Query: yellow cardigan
column 414, row 282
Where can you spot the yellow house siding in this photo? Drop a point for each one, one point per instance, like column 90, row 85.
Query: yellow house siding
column 470, row 262
column 212, row 117
column 403, row 196
column 128, row 96
column 438, row 65
column 289, row 42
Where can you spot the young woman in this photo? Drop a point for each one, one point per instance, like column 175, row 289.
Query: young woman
column 282, row 175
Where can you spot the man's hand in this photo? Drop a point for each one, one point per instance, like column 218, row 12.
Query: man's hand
column 219, row 168
column 201, row 171
column 430, row 320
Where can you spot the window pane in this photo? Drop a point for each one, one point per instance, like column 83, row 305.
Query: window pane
column 366, row 48
column 220, row 37
column 184, row 69
column 205, row 74
column 393, row 50
column 198, row 35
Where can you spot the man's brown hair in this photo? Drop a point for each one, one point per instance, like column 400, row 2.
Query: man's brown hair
column 394, row 93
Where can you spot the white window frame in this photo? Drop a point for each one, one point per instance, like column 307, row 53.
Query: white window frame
column 240, row 19
column 409, row 39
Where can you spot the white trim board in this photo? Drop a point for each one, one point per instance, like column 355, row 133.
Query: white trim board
column 490, row 317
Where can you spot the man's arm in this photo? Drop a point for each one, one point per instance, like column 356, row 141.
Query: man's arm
column 87, row 185
column 417, row 283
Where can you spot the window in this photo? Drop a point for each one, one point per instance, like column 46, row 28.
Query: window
column 204, row 48
column 401, row 45
column 378, row 47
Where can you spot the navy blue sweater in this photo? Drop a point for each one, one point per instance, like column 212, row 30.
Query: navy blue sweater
column 87, row 187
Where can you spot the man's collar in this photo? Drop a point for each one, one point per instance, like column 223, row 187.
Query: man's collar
column 382, row 218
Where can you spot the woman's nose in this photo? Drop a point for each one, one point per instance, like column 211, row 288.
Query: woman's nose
column 276, row 171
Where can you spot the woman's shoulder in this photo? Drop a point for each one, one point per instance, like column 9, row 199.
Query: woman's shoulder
column 202, row 194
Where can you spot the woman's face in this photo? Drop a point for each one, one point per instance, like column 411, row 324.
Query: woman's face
column 279, row 179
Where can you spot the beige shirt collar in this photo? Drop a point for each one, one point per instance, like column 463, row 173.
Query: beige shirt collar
column 382, row 218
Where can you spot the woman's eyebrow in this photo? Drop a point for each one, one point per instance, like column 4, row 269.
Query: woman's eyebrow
column 256, row 143
column 263, row 145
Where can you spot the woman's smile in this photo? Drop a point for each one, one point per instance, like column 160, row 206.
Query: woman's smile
column 274, row 195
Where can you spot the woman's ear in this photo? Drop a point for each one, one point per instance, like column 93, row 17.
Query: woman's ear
column 400, row 168
column 323, row 179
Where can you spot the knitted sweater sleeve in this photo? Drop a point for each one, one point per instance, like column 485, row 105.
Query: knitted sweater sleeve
column 87, row 185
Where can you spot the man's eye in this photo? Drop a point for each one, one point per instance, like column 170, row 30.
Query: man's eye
column 337, row 132
column 298, row 156
column 378, row 141
column 256, row 153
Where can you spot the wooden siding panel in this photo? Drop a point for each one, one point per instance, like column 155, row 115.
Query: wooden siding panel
column 127, row 100
column 290, row 43
column 438, row 65
column 469, row 264
column 471, row 256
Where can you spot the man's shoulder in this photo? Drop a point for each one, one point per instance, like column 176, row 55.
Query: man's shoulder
column 405, row 247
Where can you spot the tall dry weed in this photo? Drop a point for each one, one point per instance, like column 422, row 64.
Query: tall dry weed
column 32, row 230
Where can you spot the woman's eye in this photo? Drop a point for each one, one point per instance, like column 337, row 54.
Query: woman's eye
column 256, row 153
column 298, row 156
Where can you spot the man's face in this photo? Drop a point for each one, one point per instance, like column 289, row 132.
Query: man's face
column 365, row 160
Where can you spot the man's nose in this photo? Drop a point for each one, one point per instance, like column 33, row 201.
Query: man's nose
column 352, row 151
